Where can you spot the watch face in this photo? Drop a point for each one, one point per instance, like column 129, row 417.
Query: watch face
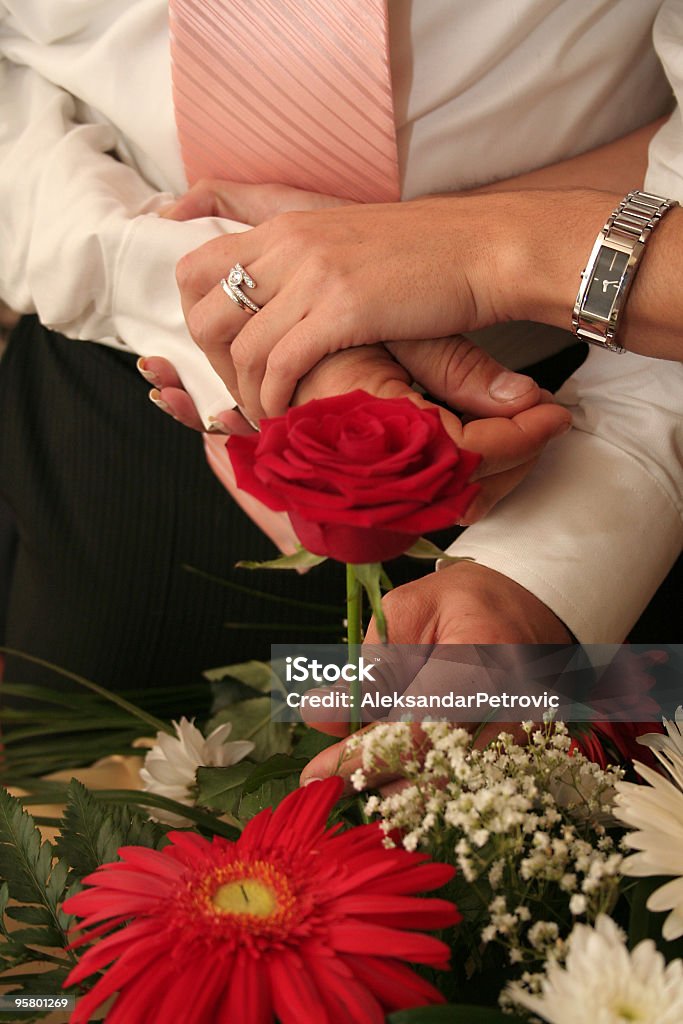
column 606, row 282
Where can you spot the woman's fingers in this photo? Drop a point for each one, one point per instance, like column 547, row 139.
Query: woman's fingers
column 169, row 395
column 159, row 372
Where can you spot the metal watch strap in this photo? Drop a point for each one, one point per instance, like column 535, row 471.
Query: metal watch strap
column 626, row 230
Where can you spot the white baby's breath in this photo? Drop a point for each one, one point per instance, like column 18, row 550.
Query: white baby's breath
column 525, row 819
column 171, row 765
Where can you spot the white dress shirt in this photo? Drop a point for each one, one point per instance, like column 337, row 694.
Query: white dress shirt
column 88, row 152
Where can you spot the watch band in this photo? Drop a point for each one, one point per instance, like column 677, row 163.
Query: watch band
column 612, row 265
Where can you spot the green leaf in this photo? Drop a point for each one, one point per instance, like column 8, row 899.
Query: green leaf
column 312, row 743
column 252, row 720
column 32, row 876
column 279, row 766
column 4, row 900
column 301, row 559
column 221, row 788
column 25, row 861
column 453, row 1015
column 201, row 818
column 424, row 548
column 41, row 936
column 88, row 684
column 93, row 831
column 237, row 683
column 29, row 914
column 263, row 595
column 270, row 794
column 369, row 574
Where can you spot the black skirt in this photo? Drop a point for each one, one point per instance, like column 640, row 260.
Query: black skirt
column 114, row 506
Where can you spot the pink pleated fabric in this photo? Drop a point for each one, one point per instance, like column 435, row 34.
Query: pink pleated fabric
column 290, row 91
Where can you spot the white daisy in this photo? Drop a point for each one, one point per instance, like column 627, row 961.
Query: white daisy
column 669, row 748
column 171, row 765
column 656, row 811
column 603, row 983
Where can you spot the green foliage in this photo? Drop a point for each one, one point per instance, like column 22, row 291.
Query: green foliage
column 424, row 548
column 244, row 789
column 301, row 559
column 93, row 831
column 221, row 788
column 311, row 742
column 37, row 882
column 48, row 728
column 26, row 861
column 372, row 577
column 234, row 684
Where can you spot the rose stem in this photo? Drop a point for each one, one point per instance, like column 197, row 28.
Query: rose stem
column 354, row 638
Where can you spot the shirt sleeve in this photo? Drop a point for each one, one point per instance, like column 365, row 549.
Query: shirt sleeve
column 80, row 243
column 596, row 526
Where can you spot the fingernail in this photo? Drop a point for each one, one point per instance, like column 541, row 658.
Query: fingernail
column 147, row 374
column 217, row 426
column 507, row 386
column 155, row 396
column 309, row 781
column 564, row 428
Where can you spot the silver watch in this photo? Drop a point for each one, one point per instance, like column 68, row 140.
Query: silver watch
column 612, row 265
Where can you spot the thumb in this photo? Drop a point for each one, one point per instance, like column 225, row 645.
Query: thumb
column 464, row 376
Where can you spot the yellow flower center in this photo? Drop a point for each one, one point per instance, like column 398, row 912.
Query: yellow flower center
column 246, row 896
column 628, row 1013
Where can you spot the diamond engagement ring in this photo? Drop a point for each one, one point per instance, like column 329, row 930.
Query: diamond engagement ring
column 232, row 286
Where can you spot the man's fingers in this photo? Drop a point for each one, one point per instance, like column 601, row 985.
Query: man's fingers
column 494, row 489
column 460, row 373
column 369, row 367
column 506, row 444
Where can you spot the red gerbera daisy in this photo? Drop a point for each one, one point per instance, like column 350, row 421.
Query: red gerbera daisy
column 293, row 921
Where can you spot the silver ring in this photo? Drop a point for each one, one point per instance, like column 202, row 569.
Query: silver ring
column 231, row 285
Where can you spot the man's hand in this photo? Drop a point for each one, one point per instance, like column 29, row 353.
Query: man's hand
column 463, row 604
column 509, row 445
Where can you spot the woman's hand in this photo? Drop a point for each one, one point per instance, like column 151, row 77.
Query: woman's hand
column 333, row 279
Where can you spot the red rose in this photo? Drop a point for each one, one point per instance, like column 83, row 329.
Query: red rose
column 361, row 477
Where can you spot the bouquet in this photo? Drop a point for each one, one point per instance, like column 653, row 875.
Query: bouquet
column 495, row 883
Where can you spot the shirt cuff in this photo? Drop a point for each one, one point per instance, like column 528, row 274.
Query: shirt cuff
column 590, row 533
column 146, row 310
